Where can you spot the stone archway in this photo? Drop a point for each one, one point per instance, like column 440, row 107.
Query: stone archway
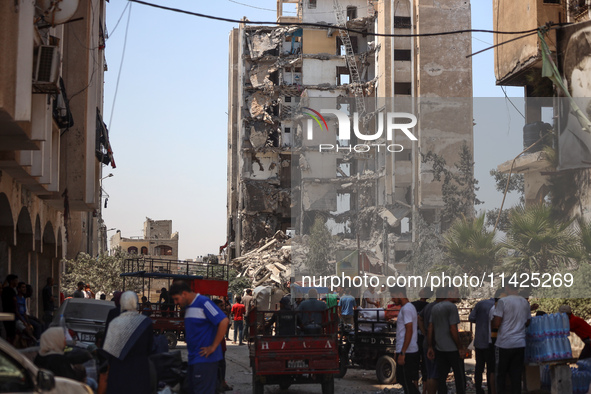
column 6, row 235
column 21, row 253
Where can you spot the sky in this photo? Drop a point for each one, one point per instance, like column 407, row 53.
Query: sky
column 165, row 105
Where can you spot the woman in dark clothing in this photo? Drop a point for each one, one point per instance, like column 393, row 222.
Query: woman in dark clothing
column 128, row 344
column 51, row 354
column 165, row 303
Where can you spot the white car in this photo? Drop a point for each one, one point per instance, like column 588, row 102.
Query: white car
column 19, row 375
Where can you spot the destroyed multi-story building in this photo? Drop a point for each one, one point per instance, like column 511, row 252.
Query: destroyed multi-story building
column 522, row 63
column 276, row 183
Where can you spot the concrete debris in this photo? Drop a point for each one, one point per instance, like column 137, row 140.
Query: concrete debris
column 269, row 264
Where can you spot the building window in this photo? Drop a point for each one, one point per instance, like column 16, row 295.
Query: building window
column 287, row 130
column 351, row 13
column 163, row 250
column 132, row 250
column 341, row 50
column 551, row 1
column 288, row 99
column 343, row 76
column 144, row 250
column 402, row 22
column 402, row 54
column 311, row 4
column 403, row 88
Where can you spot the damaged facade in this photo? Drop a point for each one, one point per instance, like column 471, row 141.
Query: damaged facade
column 521, row 63
column 277, row 183
column 157, row 242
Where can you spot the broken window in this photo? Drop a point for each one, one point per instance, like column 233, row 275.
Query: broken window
column 311, row 4
column 343, row 76
column 341, row 50
column 402, row 54
column 351, row 13
column 274, row 77
column 402, row 22
column 403, row 88
column 343, row 169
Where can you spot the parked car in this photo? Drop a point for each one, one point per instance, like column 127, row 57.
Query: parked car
column 19, row 375
column 83, row 317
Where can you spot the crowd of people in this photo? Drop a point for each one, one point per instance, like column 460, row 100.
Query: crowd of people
column 428, row 344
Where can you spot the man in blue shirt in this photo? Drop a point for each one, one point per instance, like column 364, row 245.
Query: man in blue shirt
column 348, row 305
column 479, row 315
column 205, row 328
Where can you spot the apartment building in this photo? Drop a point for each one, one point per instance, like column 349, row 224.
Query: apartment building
column 52, row 137
column 279, row 180
column 158, row 241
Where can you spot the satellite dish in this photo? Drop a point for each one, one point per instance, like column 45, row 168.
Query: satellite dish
column 56, row 12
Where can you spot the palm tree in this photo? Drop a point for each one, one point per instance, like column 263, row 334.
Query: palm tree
column 541, row 243
column 471, row 246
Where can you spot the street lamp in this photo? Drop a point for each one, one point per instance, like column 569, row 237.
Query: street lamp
column 108, row 176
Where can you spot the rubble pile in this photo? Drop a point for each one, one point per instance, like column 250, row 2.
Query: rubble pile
column 269, row 264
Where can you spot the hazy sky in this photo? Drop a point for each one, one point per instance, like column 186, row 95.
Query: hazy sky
column 169, row 123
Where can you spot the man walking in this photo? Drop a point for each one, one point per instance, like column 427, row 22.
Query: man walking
column 205, row 327
column 407, row 349
column 248, row 302
column 511, row 316
column 480, row 316
column 238, row 310
column 444, row 341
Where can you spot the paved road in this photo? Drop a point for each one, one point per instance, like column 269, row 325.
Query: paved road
column 238, row 375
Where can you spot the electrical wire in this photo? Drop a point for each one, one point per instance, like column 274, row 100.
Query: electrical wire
column 119, row 20
column 120, row 68
column 290, row 12
column 507, row 97
column 330, row 26
column 257, row 8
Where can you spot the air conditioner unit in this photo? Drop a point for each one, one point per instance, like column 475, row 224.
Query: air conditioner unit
column 46, row 75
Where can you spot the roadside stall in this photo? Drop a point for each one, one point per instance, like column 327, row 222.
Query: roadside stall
column 548, row 355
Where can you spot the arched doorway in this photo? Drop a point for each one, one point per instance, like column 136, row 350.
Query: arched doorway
column 6, row 235
column 21, row 253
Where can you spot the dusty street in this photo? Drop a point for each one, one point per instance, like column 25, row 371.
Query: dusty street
column 238, row 376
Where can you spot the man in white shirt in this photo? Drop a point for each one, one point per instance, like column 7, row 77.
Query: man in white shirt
column 511, row 317
column 407, row 348
column 371, row 299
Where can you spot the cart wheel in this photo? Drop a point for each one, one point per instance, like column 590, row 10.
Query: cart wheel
column 257, row 386
column 284, row 385
column 386, row 370
column 171, row 338
column 328, row 385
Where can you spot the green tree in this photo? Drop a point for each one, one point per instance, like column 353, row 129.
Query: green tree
column 101, row 273
column 237, row 285
column 321, row 248
column 471, row 246
column 458, row 188
column 540, row 242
